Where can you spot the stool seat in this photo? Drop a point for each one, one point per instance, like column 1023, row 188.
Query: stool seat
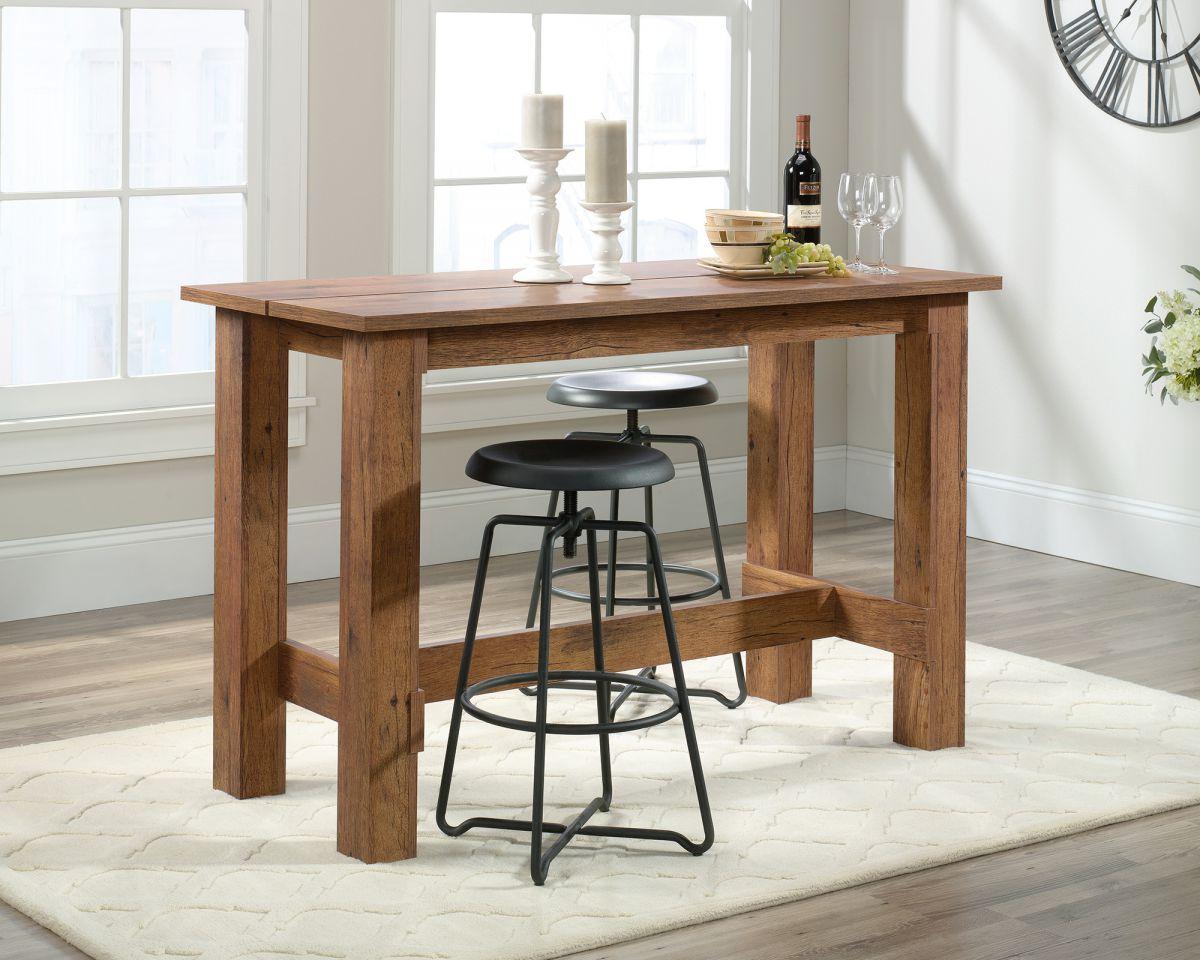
column 631, row 390
column 570, row 465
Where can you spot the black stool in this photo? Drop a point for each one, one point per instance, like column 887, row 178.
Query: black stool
column 633, row 391
column 571, row 466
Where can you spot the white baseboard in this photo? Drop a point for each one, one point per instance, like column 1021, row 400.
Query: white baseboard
column 109, row 568
column 1119, row 532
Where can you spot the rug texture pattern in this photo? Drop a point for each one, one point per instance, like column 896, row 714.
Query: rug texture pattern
column 118, row 843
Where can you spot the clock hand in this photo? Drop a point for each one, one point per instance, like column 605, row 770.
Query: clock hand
column 1125, row 15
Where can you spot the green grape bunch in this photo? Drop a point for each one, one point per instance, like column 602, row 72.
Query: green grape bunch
column 785, row 255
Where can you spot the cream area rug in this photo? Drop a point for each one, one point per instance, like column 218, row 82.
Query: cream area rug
column 117, row 842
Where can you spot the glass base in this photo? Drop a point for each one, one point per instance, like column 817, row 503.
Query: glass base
column 857, row 266
column 884, row 270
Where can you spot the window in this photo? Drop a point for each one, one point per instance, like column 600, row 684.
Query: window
column 678, row 71
column 669, row 75
column 132, row 150
column 122, row 174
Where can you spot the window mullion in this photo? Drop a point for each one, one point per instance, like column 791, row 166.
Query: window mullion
column 635, row 134
column 123, row 297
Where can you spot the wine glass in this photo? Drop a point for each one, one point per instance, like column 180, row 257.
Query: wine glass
column 854, row 198
column 886, row 206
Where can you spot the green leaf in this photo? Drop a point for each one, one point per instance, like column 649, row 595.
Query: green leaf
column 1194, row 271
column 1169, row 320
column 1159, row 375
column 1151, row 304
column 1162, row 397
column 1154, row 326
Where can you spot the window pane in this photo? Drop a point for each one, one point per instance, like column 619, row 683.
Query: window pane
column 685, row 94
column 671, row 216
column 60, row 113
column 187, row 98
column 484, row 65
column 480, row 228
column 589, row 60
column 59, row 287
column 173, row 241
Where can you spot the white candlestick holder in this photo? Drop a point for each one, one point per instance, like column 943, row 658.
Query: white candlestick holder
column 606, row 250
column 543, row 185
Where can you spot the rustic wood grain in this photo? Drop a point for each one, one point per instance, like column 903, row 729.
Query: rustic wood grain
column 880, row 622
column 308, row 339
column 931, row 523
column 697, row 330
column 630, row 641
column 535, row 303
column 253, row 297
column 779, row 497
column 308, row 677
column 250, row 530
column 634, row 640
column 380, row 566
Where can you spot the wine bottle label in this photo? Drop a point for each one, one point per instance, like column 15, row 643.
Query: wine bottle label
column 803, row 216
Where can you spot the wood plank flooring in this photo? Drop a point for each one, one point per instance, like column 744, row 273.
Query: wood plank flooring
column 1130, row 890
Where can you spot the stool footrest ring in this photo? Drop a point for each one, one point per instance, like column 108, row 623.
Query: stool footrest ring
column 628, row 681
column 714, row 584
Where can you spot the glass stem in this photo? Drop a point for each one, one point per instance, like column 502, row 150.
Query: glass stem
column 882, row 259
column 858, row 244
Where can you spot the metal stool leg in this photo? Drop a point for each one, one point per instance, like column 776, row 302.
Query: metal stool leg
column 603, row 713
column 464, row 672
column 685, row 708
column 649, row 517
column 537, row 574
column 537, row 866
column 714, row 530
column 610, row 576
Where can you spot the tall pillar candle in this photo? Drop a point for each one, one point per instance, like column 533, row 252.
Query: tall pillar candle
column 542, row 121
column 605, row 171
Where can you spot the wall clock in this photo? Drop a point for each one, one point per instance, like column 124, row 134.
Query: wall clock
column 1137, row 60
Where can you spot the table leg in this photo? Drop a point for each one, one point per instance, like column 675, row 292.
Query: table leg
column 381, row 709
column 931, row 522
column 250, row 536
column 779, row 498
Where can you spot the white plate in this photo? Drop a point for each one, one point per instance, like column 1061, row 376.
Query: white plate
column 761, row 271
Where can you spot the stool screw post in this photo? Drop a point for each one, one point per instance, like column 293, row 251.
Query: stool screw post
column 570, row 509
column 631, row 422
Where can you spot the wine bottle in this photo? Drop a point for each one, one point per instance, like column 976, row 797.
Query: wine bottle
column 802, row 187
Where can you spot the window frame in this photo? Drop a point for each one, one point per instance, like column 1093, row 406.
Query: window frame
column 752, row 171
column 123, row 419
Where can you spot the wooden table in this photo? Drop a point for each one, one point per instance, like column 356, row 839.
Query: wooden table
column 388, row 331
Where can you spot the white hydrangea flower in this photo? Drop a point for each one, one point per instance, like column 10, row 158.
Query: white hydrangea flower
column 1180, row 392
column 1180, row 344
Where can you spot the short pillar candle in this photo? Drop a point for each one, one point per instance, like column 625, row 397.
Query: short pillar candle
column 542, row 121
column 605, row 169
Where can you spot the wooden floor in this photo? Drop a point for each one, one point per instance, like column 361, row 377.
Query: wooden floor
column 1129, row 891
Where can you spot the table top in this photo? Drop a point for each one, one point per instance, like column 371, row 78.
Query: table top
column 439, row 300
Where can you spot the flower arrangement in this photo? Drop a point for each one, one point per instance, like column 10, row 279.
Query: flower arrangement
column 1174, row 356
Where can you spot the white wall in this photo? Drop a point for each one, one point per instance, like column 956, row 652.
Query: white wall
column 1009, row 169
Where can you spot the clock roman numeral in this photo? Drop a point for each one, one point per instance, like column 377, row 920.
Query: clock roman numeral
column 1112, row 80
column 1074, row 38
column 1194, row 69
column 1157, row 107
